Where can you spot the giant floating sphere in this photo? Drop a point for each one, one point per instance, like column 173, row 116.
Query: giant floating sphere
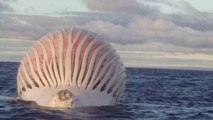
column 71, row 68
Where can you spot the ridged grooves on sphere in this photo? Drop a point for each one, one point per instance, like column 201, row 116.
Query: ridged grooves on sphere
column 72, row 57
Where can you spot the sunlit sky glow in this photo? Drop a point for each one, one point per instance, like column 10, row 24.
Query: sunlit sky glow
column 146, row 33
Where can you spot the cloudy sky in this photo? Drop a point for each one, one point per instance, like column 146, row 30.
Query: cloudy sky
column 146, row 33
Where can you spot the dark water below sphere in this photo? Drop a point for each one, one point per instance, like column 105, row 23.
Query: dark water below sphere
column 151, row 94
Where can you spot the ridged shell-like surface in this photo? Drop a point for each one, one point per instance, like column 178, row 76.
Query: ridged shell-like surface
column 74, row 59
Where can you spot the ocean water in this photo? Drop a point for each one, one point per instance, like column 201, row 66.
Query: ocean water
column 151, row 94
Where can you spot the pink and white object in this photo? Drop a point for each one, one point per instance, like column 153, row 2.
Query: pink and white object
column 71, row 68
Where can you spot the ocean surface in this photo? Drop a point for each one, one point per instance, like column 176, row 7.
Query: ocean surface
column 151, row 94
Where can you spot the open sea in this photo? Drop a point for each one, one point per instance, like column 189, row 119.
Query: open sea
column 151, row 94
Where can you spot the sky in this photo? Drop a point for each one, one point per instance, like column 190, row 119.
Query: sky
column 145, row 33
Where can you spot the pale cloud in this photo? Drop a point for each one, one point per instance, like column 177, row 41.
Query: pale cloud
column 4, row 5
column 121, row 6
column 118, row 27
column 30, row 27
column 143, row 30
column 142, row 34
